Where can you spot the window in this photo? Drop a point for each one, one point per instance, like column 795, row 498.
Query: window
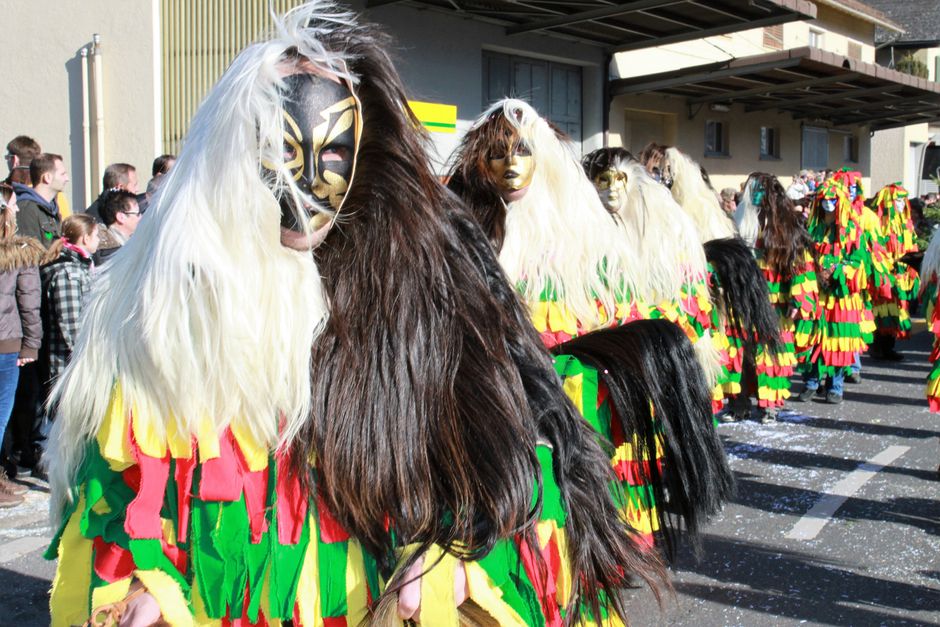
column 850, row 149
column 773, row 37
column 815, row 148
column 554, row 89
column 716, row 138
column 769, row 143
column 815, row 38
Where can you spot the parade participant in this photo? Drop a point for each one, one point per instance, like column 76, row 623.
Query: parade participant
column 930, row 297
column 206, row 467
column 786, row 256
column 896, row 237
column 739, row 291
column 668, row 255
column 835, row 226
column 590, row 302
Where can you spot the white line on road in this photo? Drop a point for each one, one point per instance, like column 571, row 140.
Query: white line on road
column 21, row 546
column 809, row 526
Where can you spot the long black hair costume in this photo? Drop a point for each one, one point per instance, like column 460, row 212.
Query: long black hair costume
column 572, row 266
column 787, row 258
column 215, row 465
column 739, row 290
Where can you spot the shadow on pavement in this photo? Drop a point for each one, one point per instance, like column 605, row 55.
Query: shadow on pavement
column 803, row 459
column 24, row 601
column 797, row 501
column 797, row 417
column 801, row 586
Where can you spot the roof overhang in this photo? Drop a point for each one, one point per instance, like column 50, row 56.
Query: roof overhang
column 619, row 25
column 810, row 83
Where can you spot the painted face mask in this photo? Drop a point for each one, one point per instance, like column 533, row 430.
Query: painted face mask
column 512, row 167
column 611, row 185
column 322, row 125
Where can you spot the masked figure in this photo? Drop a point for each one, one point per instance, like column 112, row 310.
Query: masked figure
column 669, row 260
column 845, row 264
column 786, row 257
column 895, row 233
column 739, row 292
column 588, row 297
column 930, row 297
column 209, row 466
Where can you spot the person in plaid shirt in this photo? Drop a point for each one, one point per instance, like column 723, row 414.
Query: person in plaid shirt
column 66, row 279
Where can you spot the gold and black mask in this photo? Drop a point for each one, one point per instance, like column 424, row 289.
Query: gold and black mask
column 322, row 122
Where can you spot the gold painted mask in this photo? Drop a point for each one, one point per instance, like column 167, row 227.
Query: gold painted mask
column 611, row 186
column 512, row 167
column 322, row 127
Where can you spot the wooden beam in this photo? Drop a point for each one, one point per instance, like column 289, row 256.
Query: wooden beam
column 665, row 80
column 774, row 88
column 587, row 16
column 792, row 104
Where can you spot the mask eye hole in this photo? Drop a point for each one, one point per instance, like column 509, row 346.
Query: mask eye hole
column 522, row 150
column 333, row 154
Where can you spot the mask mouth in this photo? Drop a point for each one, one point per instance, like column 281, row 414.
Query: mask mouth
column 510, row 174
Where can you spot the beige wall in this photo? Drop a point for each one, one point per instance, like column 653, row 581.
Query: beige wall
column 652, row 113
column 839, row 29
column 42, row 40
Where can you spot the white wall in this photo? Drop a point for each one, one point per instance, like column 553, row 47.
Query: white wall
column 41, row 65
column 440, row 58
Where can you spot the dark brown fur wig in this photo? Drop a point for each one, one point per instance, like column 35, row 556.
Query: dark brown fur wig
column 430, row 388
column 785, row 238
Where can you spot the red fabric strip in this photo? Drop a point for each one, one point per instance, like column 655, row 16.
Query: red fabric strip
column 291, row 503
column 330, row 530
column 221, row 476
column 142, row 518
column 112, row 563
column 184, row 492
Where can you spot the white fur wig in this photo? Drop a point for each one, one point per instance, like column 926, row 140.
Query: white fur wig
column 697, row 198
column 747, row 215
column 203, row 313
column 669, row 254
column 559, row 234
column 930, row 267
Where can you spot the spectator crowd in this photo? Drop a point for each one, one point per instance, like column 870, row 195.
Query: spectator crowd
column 49, row 255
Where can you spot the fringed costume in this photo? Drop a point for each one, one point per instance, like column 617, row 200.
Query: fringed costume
column 739, row 292
column 786, row 257
column 896, row 237
column 930, row 299
column 837, row 231
column 590, row 297
column 208, row 467
column 668, row 257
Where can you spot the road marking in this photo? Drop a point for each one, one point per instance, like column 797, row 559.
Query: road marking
column 20, row 547
column 809, row 526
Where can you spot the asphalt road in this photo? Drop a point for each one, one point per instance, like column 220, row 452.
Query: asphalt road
column 836, row 521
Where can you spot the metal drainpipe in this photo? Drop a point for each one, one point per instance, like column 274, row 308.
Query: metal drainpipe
column 99, row 105
column 86, row 132
column 608, row 59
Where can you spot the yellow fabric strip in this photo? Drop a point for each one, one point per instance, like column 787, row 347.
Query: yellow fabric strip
column 256, row 455
column 69, row 600
column 573, row 387
column 112, row 437
column 111, row 593
column 438, row 606
column 168, row 595
column 357, row 586
column 308, row 595
column 485, row 594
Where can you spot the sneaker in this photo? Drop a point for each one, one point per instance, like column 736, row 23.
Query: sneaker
column 767, row 416
column 807, row 394
column 855, row 377
column 10, row 500
column 833, row 399
column 727, row 417
column 8, row 487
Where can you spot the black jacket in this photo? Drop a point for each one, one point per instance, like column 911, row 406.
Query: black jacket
column 37, row 218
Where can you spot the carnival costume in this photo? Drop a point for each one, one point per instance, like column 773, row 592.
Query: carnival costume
column 574, row 268
column 785, row 255
column 739, row 292
column 896, row 237
column 930, row 297
column 844, row 257
column 202, row 454
column 668, row 261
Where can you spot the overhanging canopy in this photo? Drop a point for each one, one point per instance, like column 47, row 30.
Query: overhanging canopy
column 810, row 83
column 623, row 25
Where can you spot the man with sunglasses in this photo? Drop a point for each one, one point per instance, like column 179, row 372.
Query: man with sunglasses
column 121, row 214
